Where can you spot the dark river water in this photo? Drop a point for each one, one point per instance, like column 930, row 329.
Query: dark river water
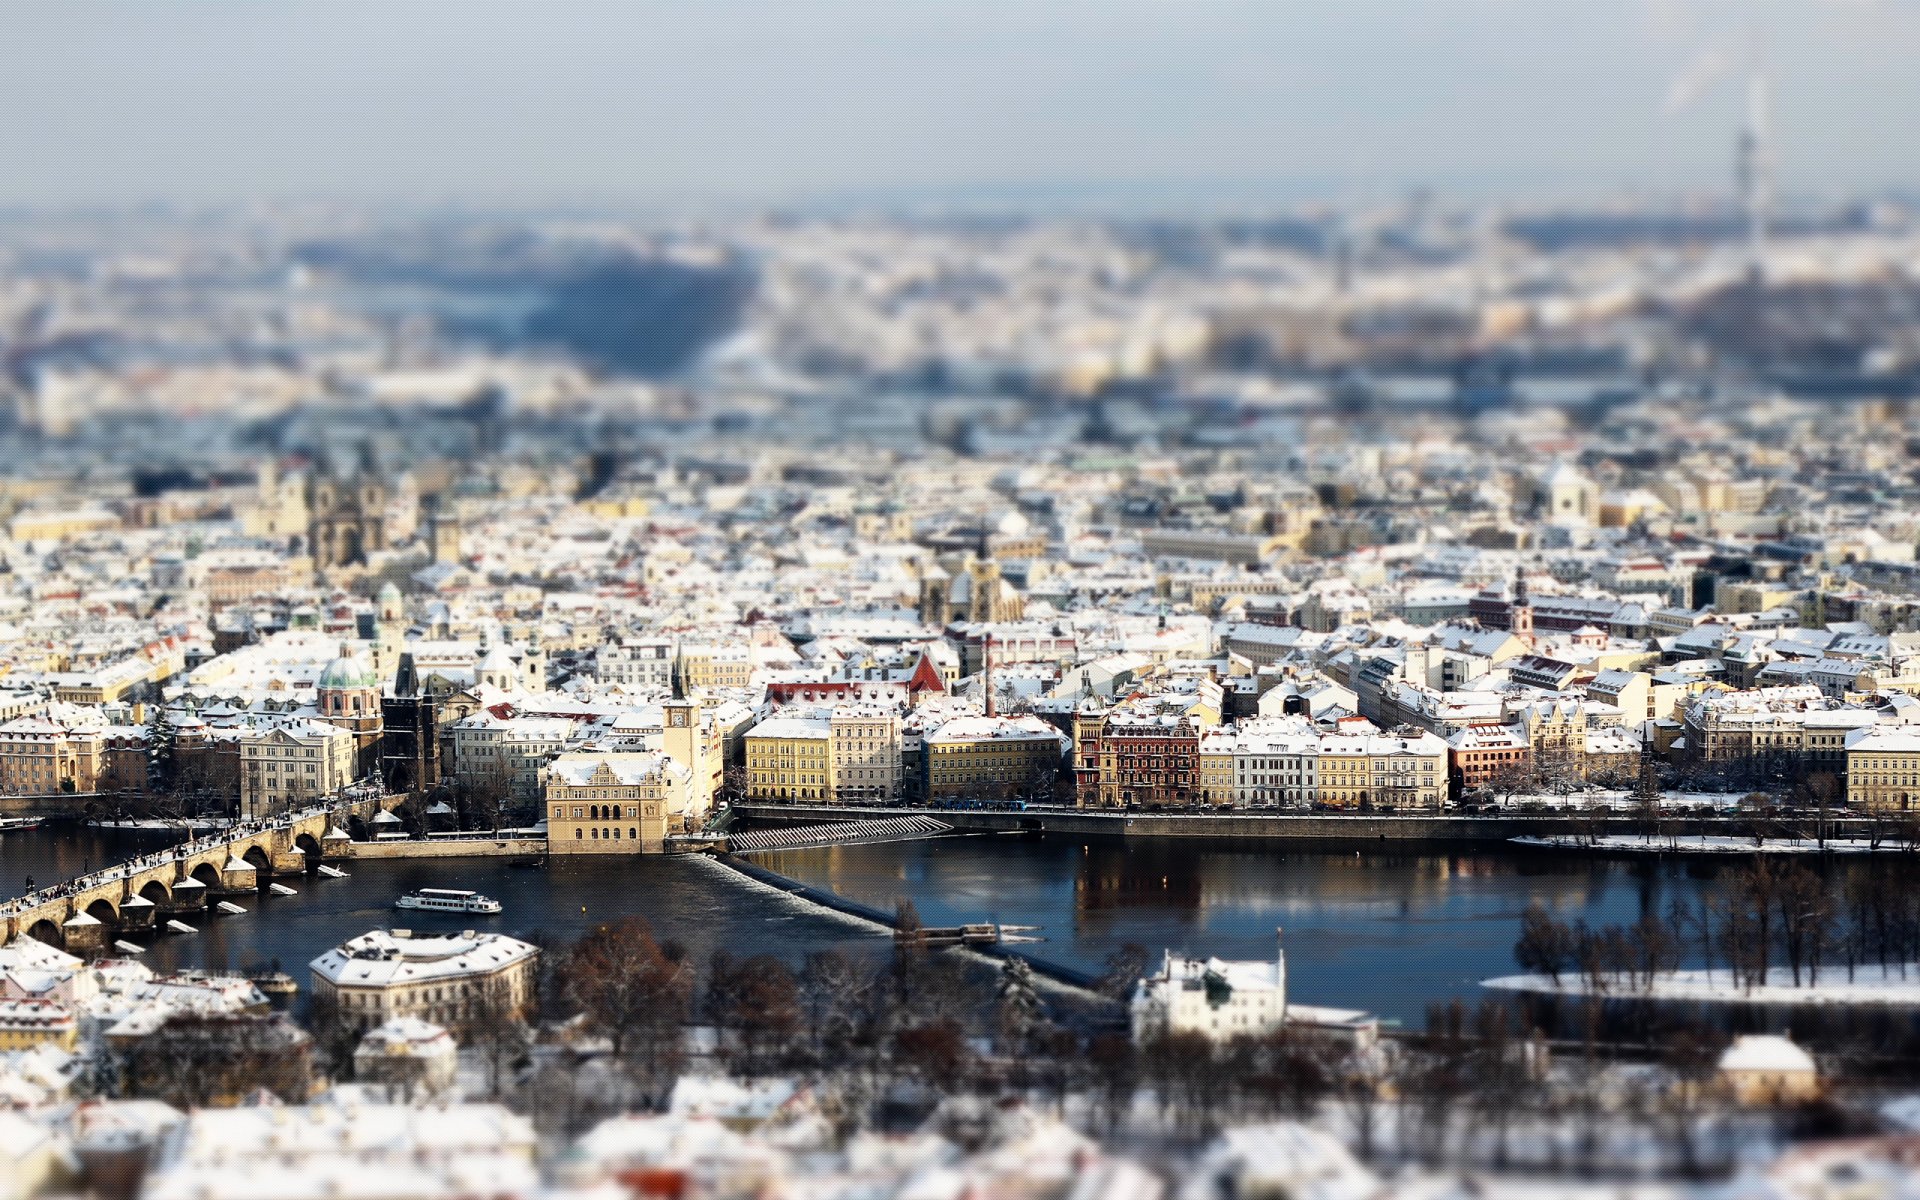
column 700, row 903
column 1387, row 930
column 1390, row 931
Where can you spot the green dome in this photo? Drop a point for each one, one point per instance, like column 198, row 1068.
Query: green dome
column 347, row 672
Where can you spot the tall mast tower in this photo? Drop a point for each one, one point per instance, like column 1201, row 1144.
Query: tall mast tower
column 1753, row 173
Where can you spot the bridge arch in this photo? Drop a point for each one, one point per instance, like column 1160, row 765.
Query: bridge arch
column 157, row 891
column 262, row 862
column 102, row 910
column 46, row 931
column 311, row 847
column 208, row 874
column 356, row 828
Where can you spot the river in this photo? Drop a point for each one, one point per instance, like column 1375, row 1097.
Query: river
column 1391, row 930
column 699, row 903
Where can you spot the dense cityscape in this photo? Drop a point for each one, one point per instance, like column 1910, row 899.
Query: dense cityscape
column 1411, row 696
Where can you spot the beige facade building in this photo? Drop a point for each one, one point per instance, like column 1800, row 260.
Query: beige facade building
column 1883, row 768
column 39, row 757
column 864, row 742
column 294, row 765
column 618, row 803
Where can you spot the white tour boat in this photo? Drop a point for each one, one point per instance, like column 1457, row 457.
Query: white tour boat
column 447, row 900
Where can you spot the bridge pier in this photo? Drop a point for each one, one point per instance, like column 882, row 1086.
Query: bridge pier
column 189, row 895
column 138, row 912
column 238, row 878
column 84, row 934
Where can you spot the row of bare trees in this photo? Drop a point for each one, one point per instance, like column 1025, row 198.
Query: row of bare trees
column 1773, row 916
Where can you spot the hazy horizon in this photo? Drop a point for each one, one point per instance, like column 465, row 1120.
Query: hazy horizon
column 748, row 103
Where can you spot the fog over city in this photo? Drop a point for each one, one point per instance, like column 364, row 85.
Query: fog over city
column 918, row 601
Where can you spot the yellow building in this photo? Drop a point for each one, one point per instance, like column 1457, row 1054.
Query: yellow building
column 617, row 803
column 790, row 758
column 1217, row 748
column 706, row 667
column 1883, row 768
column 29, row 1022
column 59, row 524
column 41, row 758
column 993, row 758
column 1382, row 770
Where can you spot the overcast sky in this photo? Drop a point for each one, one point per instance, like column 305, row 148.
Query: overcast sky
column 778, row 101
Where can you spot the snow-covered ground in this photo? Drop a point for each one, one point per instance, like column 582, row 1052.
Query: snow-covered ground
column 1633, row 843
column 1621, row 798
column 1897, row 986
column 162, row 824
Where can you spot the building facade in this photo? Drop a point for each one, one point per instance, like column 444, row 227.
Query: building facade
column 617, row 803
column 459, row 981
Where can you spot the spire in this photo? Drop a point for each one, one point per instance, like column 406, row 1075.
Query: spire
column 406, row 681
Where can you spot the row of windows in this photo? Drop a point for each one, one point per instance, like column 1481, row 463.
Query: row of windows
column 611, row 834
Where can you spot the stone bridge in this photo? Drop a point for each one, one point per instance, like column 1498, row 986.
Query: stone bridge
column 150, row 889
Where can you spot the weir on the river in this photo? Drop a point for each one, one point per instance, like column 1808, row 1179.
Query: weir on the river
column 150, row 889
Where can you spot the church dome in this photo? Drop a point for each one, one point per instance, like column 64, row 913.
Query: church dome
column 388, row 593
column 347, row 672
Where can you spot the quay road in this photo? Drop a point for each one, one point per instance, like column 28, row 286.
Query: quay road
column 1259, row 825
column 150, row 889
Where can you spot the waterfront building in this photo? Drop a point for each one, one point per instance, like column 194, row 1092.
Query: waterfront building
column 1144, row 757
column 618, row 802
column 507, row 753
column 1768, row 1069
column 456, row 980
column 1217, row 999
column 1883, row 768
column 993, row 758
column 1485, row 754
column 864, row 744
column 790, row 758
column 1276, row 763
column 43, row 757
column 292, row 765
column 348, row 694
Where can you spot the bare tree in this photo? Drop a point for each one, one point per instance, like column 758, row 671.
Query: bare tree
column 631, row 989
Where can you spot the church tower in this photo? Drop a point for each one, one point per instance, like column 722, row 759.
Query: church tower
column 349, row 694
column 410, row 733
column 389, row 628
column 443, row 536
column 1520, row 615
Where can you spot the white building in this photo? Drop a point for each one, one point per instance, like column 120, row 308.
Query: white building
column 637, row 663
column 1212, row 997
column 455, row 981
